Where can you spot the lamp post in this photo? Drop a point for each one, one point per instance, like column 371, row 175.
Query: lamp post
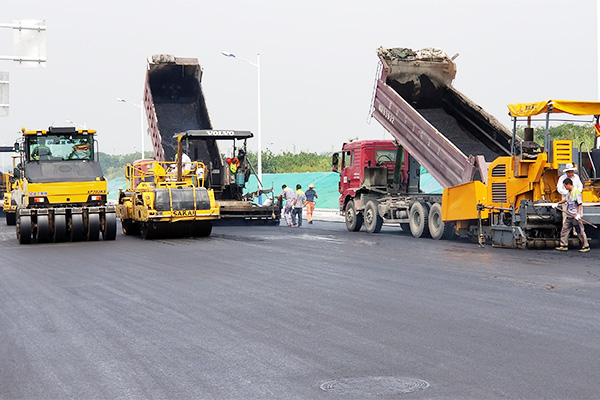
column 258, row 134
column 141, row 118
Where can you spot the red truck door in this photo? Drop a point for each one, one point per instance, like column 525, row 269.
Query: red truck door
column 351, row 169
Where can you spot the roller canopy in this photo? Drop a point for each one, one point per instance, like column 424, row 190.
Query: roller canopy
column 216, row 134
column 554, row 106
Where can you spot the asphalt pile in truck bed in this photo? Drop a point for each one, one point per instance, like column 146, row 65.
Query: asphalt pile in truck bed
column 461, row 138
column 178, row 117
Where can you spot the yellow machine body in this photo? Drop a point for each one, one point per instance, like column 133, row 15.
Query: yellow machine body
column 160, row 200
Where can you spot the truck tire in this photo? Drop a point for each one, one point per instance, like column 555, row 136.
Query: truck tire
column 354, row 220
column 438, row 228
column 372, row 219
column 418, row 219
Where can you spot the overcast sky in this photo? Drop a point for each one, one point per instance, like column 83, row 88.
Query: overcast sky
column 318, row 61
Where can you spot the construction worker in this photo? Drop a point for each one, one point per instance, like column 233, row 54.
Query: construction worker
column 569, row 172
column 574, row 210
column 311, row 195
column 299, row 203
column 288, row 195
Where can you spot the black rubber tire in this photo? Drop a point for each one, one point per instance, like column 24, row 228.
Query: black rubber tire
column 109, row 226
column 353, row 219
column 129, row 227
column 41, row 232
column 23, row 224
column 418, row 219
column 11, row 219
column 372, row 220
column 438, row 228
column 93, row 228
column 146, row 230
column 76, row 230
column 60, row 228
column 202, row 229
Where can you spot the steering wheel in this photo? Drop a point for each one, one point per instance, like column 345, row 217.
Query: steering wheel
column 382, row 159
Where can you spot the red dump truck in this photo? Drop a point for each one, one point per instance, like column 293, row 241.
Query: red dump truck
column 437, row 125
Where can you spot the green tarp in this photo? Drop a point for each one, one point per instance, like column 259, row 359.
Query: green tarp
column 326, row 185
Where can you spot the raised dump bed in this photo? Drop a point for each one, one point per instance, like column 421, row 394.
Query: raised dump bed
column 448, row 134
column 174, row 104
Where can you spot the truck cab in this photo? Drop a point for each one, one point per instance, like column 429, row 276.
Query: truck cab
column 370, row 164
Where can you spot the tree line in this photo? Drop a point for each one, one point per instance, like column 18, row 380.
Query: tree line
column 286, row 162
column 578, row 133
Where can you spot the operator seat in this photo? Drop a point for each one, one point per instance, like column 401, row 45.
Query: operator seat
column 41, row 153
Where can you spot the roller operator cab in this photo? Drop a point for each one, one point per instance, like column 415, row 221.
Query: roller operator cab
column 58, row 188
column 167, row 199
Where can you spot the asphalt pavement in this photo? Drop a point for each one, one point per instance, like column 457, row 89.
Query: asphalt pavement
column 316, row 312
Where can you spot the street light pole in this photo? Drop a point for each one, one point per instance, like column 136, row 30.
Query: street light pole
column 141, row 119
column 259, row 123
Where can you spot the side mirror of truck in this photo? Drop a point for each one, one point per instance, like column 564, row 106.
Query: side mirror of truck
column 335, row 161
column 16, row 147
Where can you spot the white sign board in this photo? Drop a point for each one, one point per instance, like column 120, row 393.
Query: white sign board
column 29, row 40
column 3, row 94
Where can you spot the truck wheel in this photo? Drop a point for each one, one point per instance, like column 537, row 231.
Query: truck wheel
column 354, row 220
column 418, row 219
column 438, row 228
column 372, row 219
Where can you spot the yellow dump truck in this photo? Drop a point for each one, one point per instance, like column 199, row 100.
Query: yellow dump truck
column 167, row 199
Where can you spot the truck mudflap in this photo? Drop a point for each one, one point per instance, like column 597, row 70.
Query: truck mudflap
column 61, row 224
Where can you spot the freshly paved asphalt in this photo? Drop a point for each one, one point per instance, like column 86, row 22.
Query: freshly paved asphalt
column 284, row 313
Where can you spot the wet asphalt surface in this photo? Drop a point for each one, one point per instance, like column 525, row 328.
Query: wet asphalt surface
column 309, row 313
